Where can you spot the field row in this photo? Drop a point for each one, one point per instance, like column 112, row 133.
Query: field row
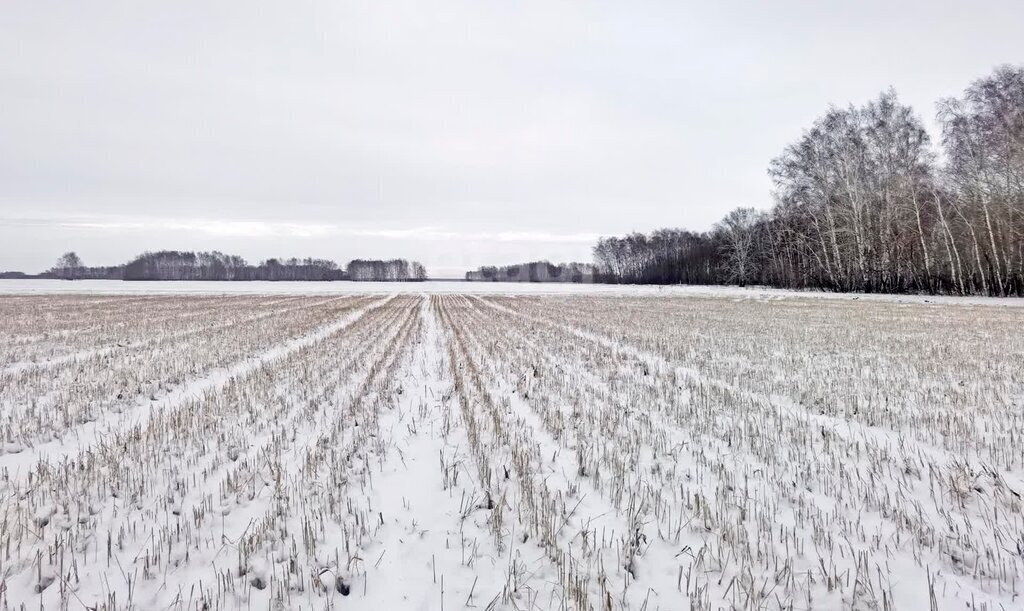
column 468, row 451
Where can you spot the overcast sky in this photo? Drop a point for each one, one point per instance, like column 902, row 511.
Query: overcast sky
column 458, row 133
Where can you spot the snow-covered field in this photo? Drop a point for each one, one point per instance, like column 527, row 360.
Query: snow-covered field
column 459, row 446
column 432, row 287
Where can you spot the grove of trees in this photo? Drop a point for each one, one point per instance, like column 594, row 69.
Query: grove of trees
column 866, row 201
column 393, row 270
column 666, row 256
column 187, row 265
column 535, row 271
column 68, row 267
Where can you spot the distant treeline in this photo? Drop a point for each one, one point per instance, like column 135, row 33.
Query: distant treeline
column 182, row 265
column 863, row 204
column 536, row 271
column 394, row 270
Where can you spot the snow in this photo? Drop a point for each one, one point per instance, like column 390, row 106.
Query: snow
column 507, row 446
column 138, row 414
column 117, row 287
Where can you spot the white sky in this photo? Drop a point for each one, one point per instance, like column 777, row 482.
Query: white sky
column 457, row 133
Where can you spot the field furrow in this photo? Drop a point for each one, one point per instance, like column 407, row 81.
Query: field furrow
column 561, row 452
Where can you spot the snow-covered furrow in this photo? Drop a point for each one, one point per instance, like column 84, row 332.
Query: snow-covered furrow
column 600, row 432
column 76, row 395
column 925, row 373
column 295, row 494
column 78, row 325
column 909, row 502
column 333, row 464
column 587, row 543
column 160, row 337
column 323, row 465
column 609, row 518
column 129, row 500
column 891, row 442
column 786, row 405
column 519, row 516
column 678, row 483
column 19, row 461
column 426, row 499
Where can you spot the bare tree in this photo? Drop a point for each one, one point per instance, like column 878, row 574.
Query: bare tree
column 68, row 266
column 736, row 235
column 862, row 205
column 983, row 136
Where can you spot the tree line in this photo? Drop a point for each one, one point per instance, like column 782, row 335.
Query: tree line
column 535, row 271
column 865, row 201
column 393, row 270
column 203, row 266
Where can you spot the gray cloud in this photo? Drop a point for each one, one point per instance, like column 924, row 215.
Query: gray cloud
column 490, row 129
